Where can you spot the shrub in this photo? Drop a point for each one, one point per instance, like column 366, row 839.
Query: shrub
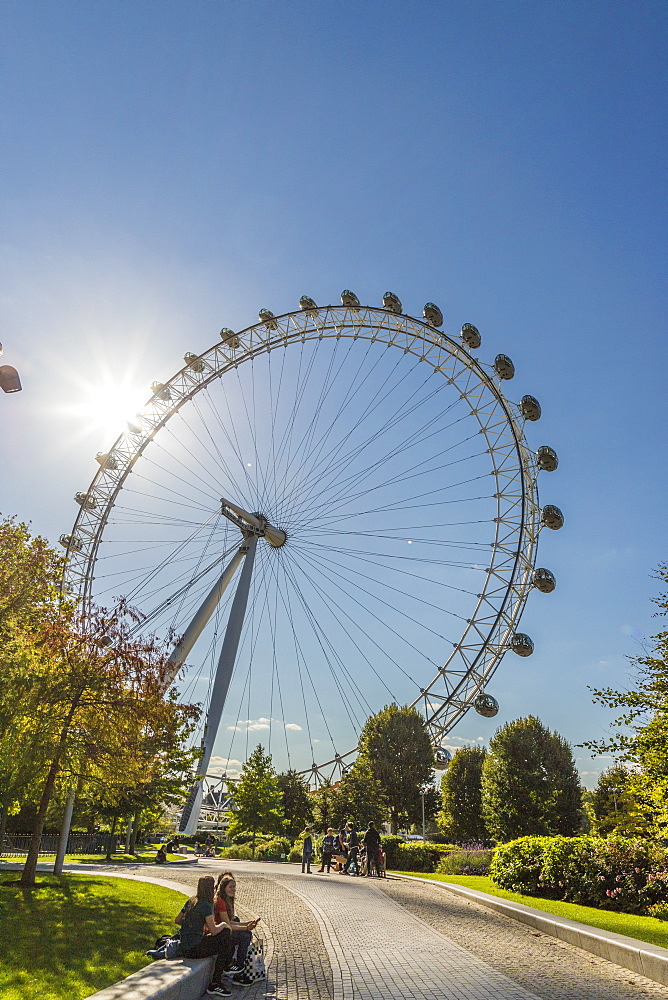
column 390, row 844
column 275, row 847
column 465, row 863
column 617, row 873
column 418, row 856
column 239, row 852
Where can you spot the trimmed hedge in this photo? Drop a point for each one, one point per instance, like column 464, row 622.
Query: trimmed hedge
column 465, row 863
column 617, row 873
column 419, row 856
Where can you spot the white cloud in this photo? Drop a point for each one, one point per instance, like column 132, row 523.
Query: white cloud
column 225, row 765
column 293, row 726
column 251, row 725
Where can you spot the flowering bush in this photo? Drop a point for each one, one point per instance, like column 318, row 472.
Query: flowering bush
column 617, row 873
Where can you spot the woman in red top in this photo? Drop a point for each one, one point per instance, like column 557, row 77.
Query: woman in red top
column 242, row 933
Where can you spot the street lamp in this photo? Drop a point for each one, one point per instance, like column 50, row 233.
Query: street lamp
column 9, row 378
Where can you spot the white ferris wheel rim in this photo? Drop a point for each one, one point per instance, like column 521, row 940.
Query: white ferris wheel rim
column 508, row 581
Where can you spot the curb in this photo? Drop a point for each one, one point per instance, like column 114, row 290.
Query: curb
column 648, row 960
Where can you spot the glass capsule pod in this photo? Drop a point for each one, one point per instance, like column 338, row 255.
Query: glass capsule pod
column 486, row 705
column 71, row 542
column 530, row 408
column 544, row 580
column 106, row 460
column 86, row 501
column 349, row 299
column 504, row 367
column 229, row 338
column 470, row 334
column 547, row 458
column 267, row 317
column 393, row 303
column 161, row 391
column 522, row 644
column 442, row 758
column 193, row 361
column 553, row 517
column 134, row 427
column 432, row 314
column 308, row 305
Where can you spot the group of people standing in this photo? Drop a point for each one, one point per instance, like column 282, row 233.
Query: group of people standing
column 354, row 856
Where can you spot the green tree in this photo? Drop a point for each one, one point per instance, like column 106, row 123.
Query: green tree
column 326, row 810
column 529, row 783
column 360, row 798
column 615, row 806
column 257, row 799
column 395, row 749
column 461, row 796
column 641, row 737
column 296, row 803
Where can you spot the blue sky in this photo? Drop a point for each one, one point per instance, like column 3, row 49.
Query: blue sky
column 170, row 168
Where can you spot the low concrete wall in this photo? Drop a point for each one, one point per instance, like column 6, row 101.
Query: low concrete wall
column 647, row 960
column 182, row 979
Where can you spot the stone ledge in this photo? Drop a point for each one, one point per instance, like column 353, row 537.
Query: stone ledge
column 181, row 979
column 645, row 959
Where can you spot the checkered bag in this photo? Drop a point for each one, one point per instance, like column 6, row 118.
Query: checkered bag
column 254, row 967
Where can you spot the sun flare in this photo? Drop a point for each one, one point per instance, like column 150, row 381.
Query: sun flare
column 108, row 405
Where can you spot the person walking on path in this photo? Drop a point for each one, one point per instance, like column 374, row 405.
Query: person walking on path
column 353, row 845
column 307, row 851
column 328, row 843
column 371, row 840
column 195, row 918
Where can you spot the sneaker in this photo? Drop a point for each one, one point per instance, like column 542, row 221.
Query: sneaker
column 234, row 969
column 218, row 990
column 155, row 953
column 243, row 981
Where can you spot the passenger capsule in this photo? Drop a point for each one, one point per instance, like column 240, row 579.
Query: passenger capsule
column 267, row 317
column 553, row 517
column 432, row 314
column 393, row 303
column 349, row 299
column 308, row 305
column 71, row 542
column 487, row 705
column 471, row 336
column 229, row 337
column 105, row 640
column 161, row 391
column 135, row 427
column 86, row 501
column 544, row 580
column 442, row 758
column 504, row 367
column 522, row 644
column 106, row 460
column 547, row 458
column 193, row 361
column 530, row 408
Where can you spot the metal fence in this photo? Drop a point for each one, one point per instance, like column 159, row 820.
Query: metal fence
column 17, row 844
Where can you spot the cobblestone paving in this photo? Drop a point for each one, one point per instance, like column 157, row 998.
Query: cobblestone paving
column 337, row 938
column 551, row 969
column 299, row 968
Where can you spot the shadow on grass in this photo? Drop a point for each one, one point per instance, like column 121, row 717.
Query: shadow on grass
column 75, row 935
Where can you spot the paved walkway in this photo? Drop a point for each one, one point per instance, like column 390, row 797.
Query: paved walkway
column 340, row 938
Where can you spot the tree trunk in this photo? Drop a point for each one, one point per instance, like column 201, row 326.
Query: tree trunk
column 135, row 830
column 394, row 822
column 28, row 875
column 111, row 837
column 3, row 827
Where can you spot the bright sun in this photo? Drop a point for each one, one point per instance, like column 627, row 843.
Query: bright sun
column 108, row 406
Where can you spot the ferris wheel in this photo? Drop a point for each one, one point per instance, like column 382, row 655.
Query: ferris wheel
column 332, row 510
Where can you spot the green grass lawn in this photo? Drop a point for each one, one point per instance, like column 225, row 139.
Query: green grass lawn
column 140, row 858
column 75, row 934
column 643, row 928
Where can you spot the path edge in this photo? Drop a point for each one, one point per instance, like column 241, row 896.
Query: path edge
column 648, row 960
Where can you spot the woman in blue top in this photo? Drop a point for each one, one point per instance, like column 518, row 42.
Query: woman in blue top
column 195, row 918
column 328, row 842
